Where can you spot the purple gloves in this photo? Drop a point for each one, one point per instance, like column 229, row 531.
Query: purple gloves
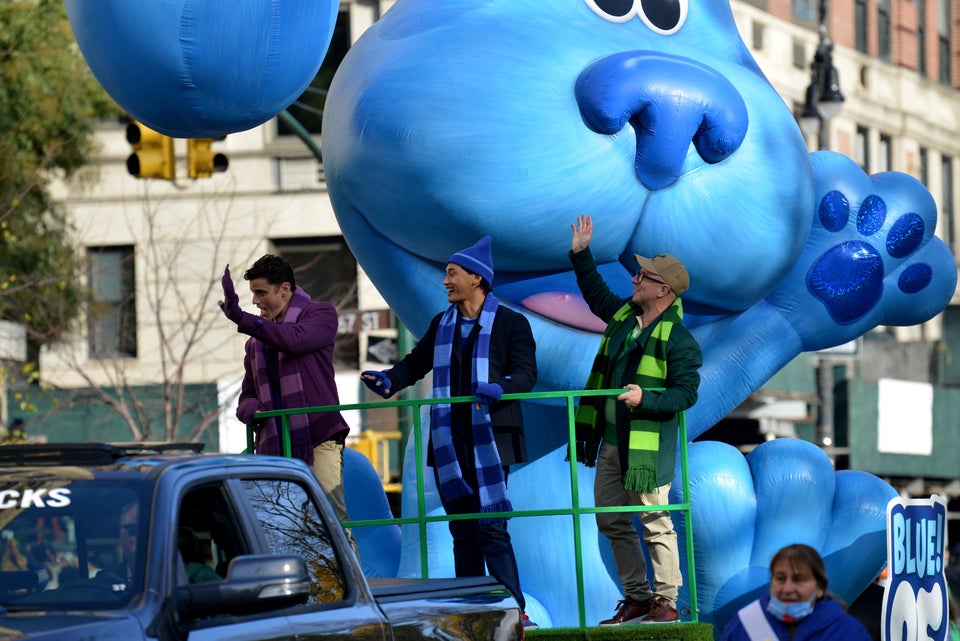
column 489, row 393
column 231, row 302
column 376, row 382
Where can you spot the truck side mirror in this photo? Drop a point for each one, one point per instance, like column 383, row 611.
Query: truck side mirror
column 254, row 583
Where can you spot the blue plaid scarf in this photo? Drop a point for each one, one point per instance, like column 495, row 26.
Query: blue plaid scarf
column 492, row 488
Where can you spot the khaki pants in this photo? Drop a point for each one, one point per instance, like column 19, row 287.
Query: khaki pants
column 328, row 468
column 658, row 533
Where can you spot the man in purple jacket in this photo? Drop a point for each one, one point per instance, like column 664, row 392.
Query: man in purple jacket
column 289, row 364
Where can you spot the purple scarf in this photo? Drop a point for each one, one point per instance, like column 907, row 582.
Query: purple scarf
column 291, row 394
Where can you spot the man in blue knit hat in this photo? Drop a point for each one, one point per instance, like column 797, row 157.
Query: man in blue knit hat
column 476, row 347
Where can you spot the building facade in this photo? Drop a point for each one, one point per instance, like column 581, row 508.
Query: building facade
column 157, row 248
column 888, row 404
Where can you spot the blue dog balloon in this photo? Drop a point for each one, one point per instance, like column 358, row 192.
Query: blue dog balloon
column 452, row 120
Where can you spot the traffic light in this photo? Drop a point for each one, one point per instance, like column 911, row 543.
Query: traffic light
column 202, row 161
column 152, row 155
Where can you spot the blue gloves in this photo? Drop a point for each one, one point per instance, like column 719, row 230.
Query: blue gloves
column 231, row 302
column 376, row 382
column 489, row 393
column 379, row 383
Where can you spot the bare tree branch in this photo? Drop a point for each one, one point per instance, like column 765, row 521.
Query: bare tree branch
column 182, row 322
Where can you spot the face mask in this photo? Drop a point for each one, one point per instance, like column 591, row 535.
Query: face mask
column 790, row 612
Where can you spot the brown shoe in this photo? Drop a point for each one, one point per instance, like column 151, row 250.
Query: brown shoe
column 628, row 611
column 661, row 611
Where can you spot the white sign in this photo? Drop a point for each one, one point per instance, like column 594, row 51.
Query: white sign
column 904, row 417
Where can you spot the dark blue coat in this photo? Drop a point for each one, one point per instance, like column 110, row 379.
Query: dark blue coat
column 512, row 353
column 827, row 622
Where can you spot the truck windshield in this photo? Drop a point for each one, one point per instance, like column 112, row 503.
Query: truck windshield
column 70, row 540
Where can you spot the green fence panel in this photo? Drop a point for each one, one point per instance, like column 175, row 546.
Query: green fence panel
column 575, row 511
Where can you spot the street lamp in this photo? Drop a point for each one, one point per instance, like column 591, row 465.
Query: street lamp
column 822, row 102
column 823, row 99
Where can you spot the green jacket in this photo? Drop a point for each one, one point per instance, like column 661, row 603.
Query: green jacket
column 684, row 359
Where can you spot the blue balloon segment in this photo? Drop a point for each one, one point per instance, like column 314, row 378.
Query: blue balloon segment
column 905, row 235
column 834, row 211
column 656, row 93
column 848, row 280
column 198, row 69
column 915, row 278
column 379, row 546
column 872, row 214
column 785, row 491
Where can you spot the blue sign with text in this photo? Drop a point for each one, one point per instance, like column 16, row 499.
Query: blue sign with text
column 915, row 601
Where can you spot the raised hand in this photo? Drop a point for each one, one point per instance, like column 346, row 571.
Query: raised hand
column 376, row 382
column 231, row 302
column 582, row 233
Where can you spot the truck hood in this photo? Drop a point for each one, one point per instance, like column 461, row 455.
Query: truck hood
column 86, row 625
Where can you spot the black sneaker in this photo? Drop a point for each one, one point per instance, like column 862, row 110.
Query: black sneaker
column 528, row 624
column 628, row 611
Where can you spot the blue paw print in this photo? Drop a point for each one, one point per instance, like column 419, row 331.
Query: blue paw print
column 848, row 278
column 871, row 259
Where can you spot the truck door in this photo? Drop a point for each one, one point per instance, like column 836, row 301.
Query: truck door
column 293, row 522
column 208, row 535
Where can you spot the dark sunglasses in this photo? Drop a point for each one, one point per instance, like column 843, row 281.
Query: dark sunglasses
column 640, row 276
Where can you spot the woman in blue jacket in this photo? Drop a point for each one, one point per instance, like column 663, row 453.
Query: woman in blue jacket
column 798, row 606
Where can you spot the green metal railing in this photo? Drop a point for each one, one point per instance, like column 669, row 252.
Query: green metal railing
column 575, row 511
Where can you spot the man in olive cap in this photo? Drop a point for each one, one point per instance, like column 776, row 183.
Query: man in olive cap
column 632, row 438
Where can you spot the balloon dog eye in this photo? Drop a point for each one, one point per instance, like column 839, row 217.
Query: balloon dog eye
column 663, row 16
column 612, row 10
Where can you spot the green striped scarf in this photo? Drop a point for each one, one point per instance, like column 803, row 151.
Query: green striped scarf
column 644, row 438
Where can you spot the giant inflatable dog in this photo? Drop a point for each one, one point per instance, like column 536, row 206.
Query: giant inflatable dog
column 451, row 120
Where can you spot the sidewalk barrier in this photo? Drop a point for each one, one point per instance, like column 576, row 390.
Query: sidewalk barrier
column 575, row 511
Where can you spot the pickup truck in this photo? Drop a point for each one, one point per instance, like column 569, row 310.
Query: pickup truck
column 138, row 541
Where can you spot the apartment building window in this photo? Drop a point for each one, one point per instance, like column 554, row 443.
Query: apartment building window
column 861, row 148
column 943, row 39
column 326, row 269
column 946, row 200
column 805, row 10
column 860, row 25
column 885, row 155
column 924, row 166
column 308, row 108
column 883, row 30
column 112, row 316
column 922, row 37
column 757, row 36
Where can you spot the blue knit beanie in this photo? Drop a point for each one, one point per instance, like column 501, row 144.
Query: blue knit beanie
column 477, row 259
